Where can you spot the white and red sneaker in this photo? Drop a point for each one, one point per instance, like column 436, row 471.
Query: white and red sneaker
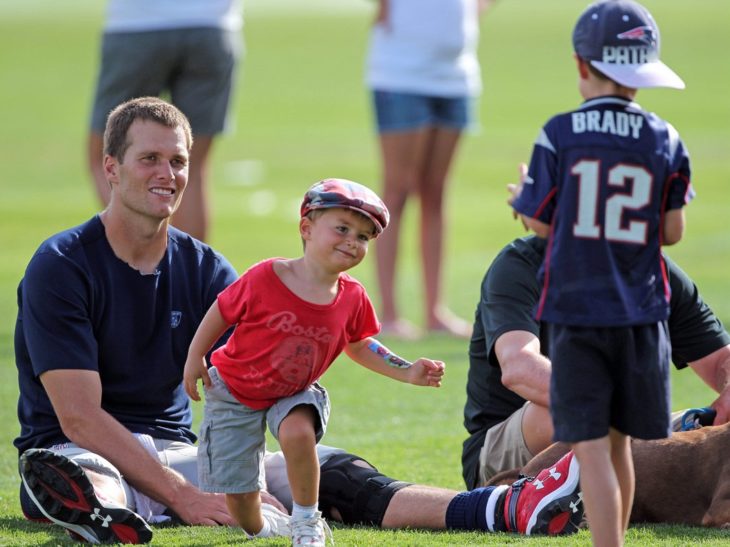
column 63, row 493
column 550, row 503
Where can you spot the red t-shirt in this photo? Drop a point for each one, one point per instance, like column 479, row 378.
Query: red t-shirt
column 281, row 344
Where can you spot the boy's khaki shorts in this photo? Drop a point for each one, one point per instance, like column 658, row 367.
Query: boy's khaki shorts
column 232, row 442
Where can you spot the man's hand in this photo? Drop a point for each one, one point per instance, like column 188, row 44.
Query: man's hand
column 426, row 372
column 202, row 508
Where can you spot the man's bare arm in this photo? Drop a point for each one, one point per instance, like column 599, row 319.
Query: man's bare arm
column 714, row 369
column 76, row 399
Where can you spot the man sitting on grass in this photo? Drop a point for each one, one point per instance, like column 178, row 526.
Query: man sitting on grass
column 106, row 313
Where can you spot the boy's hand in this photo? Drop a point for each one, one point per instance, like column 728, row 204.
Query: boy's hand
column 426, row 372
column 195, row 369
column 515, row 190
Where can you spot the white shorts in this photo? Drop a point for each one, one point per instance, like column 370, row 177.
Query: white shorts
column 174, row 454
column 183, row 457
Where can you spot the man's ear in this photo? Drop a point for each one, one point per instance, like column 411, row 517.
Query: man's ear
column 111, row 169
column 582, row 66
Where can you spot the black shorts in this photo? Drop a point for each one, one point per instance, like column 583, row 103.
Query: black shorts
column 610, row 377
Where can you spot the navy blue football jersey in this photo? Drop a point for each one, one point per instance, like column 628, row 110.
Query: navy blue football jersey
column 603, row 176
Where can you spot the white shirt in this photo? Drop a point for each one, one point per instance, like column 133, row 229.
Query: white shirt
column 146, row 15
column 428, row 47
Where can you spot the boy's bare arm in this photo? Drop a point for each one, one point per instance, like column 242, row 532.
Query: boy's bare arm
column 211, row 328
column 375, row 356
column 673, row 228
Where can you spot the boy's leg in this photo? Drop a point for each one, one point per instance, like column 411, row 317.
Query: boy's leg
column 601, row 491
column 233, row 432
column 298, row 442
column 246, row 509
column 623, row 465
column 298, row 422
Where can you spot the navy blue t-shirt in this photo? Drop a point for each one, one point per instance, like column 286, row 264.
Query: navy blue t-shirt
column 81, row 307
column 603, row 176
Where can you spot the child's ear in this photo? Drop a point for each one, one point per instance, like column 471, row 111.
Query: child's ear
column 305, row 227
column 582, row 66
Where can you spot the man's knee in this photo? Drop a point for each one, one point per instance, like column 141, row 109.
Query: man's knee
column 359, row 494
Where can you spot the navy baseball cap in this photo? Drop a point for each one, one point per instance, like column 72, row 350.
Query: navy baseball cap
column 346, row 194
column 621, row 40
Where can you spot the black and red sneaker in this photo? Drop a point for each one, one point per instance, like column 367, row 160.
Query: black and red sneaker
column 64, row 494
column 550, row 503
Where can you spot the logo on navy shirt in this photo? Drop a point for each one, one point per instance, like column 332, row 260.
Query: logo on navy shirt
column 175, row 318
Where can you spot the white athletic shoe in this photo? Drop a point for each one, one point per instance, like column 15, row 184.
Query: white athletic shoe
column 313, row 531
column 279, row 523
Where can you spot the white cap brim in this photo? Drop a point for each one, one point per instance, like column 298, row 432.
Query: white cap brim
column 654, row 74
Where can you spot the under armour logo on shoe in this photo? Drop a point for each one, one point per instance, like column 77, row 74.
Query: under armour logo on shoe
column 554, row 474
column 105, row 520
column 575, row 506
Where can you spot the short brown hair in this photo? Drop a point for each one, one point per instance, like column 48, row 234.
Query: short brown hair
column 143, row 108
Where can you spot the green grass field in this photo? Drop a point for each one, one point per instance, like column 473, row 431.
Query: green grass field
column 302, row 114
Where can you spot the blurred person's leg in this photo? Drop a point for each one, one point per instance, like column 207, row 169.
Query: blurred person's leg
column 402, row 156
column 193, row 214
column 437, row 161
column 94, row 154
column 125, row 73
column 202, row 88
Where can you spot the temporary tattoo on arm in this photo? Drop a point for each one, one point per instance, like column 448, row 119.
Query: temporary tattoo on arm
column 391, row 358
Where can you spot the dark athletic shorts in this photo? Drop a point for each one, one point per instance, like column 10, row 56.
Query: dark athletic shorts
column 610, row 377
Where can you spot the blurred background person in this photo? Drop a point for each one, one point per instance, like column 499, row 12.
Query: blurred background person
column 424, row 74
column 187, row 51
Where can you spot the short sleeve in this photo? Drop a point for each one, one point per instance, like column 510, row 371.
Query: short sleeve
column 510, row 292
column 695, row 331
column 365, row 321
column 56, row 298
column 537, row 199
column 232, row 301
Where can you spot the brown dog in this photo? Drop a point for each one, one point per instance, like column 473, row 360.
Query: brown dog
column 684, row 479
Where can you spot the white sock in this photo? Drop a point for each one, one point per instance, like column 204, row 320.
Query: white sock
column 265, row 532
column 303, row 511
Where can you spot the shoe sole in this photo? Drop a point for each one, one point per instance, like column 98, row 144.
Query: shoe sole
column 566, row 499
column 64, row 494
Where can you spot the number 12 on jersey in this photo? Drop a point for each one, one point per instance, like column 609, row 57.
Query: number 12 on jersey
column 636, row 179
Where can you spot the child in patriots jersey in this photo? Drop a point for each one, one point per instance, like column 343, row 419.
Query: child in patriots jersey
column 292, row 318
column 606, row 185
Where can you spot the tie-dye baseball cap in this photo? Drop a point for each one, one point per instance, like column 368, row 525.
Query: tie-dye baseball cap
column 347, row 194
